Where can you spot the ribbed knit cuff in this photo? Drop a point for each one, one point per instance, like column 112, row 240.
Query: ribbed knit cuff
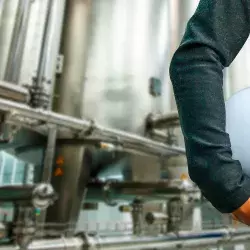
column 242, row 214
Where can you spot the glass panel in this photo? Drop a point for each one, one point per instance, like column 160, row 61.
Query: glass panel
column 19, row 177
column 7, row 169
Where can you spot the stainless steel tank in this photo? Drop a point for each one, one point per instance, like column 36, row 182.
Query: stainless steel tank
column 129, row 42
column 111, row 50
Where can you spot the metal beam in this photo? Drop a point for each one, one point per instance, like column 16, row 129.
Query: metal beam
column 38, row 120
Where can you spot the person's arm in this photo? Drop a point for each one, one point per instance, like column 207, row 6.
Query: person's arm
column 214, row 36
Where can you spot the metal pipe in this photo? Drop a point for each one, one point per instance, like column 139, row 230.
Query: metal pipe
column 184, row 240
column 40, row 97
column 18, row 41
column 156, row 218
column 48, row 165
column 137, row 216
column 163, row 121
column 49, row 155
column 16, row 193
column 2, row 2
column 170, row 188
column 159, row 136
column 13, row 92
column 112, row 191
column 81, row 125
column 54, row 63
column 71, row 187
column 177, row 244
column 43, row 86
column 8, row 16
column 75, row 243
column 41, row 195
column 44, row 46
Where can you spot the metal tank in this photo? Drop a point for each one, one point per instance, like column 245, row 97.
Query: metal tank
column 111, row 50
column 128, row 42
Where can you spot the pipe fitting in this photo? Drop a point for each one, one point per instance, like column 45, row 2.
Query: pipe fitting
column 43, row 196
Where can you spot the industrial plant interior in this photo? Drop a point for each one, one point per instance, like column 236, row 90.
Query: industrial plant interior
column 92, row 155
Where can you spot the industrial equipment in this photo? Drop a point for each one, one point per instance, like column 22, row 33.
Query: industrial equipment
column 83, row 101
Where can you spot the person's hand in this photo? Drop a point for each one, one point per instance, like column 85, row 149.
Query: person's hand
column 242, row 214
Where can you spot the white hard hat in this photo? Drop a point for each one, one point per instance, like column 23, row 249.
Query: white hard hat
column 238, row 127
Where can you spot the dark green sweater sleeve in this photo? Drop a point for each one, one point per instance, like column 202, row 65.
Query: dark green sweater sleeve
column 214, row 36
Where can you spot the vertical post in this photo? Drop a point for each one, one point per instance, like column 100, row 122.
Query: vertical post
column 175, row 212
column 1, row 9
column 164, row 210
column 44, row 46
column 18, row 41
column 23, row 219
column 49, row 155
column 137, row 217
column 197, row 218
column 43, row 82
column 71, row 185
column 48, row 168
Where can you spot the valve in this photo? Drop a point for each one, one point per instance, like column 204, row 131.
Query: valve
column 43, row 196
